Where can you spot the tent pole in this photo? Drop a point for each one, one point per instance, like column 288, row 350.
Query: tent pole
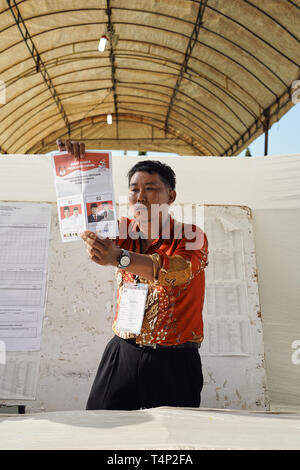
column 266, row 141
column 266, row 127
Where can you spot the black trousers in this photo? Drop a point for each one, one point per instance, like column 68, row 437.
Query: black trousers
column 130, row 378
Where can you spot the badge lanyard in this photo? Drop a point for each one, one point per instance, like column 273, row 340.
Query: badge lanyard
column 133, row 301
column 136, row 277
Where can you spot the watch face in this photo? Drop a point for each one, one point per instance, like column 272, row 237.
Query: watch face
column 125, row 261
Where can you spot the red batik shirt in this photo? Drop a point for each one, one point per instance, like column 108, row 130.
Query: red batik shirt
column 173, row 312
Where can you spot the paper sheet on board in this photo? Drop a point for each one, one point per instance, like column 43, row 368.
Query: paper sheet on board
column 24, row 237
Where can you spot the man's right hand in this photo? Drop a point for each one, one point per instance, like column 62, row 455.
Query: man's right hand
column 73, row 147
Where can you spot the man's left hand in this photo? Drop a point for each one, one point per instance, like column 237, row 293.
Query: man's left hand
column 102, row 251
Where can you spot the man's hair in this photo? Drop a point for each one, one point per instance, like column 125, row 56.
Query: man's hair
column 66, row 208
column 165, row 172
column 94, row 205
column 75, row 209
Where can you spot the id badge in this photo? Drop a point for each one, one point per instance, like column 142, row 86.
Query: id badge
column 132, row 308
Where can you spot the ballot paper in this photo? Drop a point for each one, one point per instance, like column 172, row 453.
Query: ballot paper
column 24, row 238
column 85, row 195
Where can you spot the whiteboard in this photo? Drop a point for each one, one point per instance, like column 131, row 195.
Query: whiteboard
column 81, row 303
column 24, row 238
column 233, row 350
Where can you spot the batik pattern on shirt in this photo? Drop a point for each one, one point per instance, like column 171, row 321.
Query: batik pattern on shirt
column 173, row 312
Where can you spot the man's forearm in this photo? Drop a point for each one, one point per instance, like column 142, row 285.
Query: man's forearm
column 106, row 252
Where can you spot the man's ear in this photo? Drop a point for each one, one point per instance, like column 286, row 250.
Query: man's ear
column 172, row 196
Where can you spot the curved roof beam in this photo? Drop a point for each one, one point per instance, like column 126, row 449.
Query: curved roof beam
column 91, row 68
column 112, row 56
column 260, row 38
column 173, row 18
column 238, row 85
column 222, row 89
column 120, row 84
column 40, row 67
column 199, row 137
column 272, row 111
column 162, row 73
column 230, row 59
column 190, row 130
column 122, row 116
column 188, row 52
column 259, row 119
column 180, row 109
column 273, row 19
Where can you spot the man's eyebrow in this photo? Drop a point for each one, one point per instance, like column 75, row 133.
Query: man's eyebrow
column 149, row 182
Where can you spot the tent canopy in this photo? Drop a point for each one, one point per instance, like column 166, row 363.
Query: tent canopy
column 202, row 77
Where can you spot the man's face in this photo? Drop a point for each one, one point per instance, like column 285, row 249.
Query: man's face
column 75, row 212
column 146, row 190
column 94, row 210
column 66, row 213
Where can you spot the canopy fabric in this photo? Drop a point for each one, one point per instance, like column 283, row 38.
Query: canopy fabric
column 194, row 77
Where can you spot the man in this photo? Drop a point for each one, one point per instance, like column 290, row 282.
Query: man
column 159, row 363
column 66, row 212
column 77, row 221
column 93, row 217
column 66, row 221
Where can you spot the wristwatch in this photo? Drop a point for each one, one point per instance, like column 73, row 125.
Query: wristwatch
column 124, row 259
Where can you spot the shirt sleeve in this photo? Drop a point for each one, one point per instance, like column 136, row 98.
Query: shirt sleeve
column 188, row 260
